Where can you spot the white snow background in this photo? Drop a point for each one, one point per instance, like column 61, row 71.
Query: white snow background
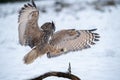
column 100, row 62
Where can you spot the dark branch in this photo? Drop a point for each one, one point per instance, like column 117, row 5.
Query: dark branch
column 57, row 74
column 67, row 75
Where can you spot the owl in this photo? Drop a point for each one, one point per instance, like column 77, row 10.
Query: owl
column 44, row 39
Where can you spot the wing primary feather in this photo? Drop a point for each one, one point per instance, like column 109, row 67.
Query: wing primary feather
column 96, row 39
column 93, row 30
column 25, row 5
column 92, row 43
column 22, row 8
column 95, row 33
column 30, row 5
column 97, row 36
column 86, row 46
column 33, row 3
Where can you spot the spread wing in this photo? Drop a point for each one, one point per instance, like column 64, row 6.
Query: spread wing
column 73, row 40
column 28, row 24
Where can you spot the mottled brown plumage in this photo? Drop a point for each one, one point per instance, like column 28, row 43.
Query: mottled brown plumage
column 43, row 40
column 73, row 40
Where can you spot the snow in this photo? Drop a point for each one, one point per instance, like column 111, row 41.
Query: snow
column 100, row 62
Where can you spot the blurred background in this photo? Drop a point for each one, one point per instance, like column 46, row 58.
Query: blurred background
column 100, row 62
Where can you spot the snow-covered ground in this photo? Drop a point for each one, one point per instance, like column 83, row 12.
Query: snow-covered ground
column 100, row 62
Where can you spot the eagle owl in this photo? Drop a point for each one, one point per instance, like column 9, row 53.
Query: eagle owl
column 44, row 39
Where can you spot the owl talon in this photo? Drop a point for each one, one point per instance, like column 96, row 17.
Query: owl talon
column 63, row 50
column 48, row 55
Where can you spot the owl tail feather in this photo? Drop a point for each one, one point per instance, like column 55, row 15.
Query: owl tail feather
column 31, row 56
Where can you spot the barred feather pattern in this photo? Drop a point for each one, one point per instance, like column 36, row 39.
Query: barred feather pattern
column 28, row 16
column 83, row 40
column 25, row 12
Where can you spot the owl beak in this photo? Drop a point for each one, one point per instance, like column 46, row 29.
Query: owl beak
column 53, row 26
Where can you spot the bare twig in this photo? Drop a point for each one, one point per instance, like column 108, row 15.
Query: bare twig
column 69, row 68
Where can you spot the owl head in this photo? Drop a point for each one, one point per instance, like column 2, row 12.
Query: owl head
column 48, row 26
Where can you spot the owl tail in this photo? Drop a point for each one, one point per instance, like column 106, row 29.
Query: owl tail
column 32, row 55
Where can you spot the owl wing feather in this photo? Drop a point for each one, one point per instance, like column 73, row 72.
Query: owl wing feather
column 28, row 24
column 73, row 40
